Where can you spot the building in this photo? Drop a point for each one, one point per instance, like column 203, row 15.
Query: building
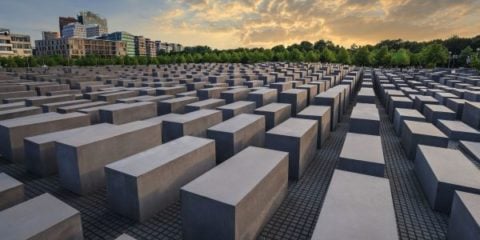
column 6, row 47
column 64, row 21
column 140, row 48
column 21, row 45
column 90, row 18
column 93, row 30
column 74, row 30
column 12, row 44
column 126, row 38
column 78, row 47
column 163, row 47
column 46, row 35
column 150, row 48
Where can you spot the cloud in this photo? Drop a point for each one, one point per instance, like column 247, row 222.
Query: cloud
column 265, row 23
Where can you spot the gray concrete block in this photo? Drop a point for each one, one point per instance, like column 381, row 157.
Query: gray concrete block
column 441, row 171
column 331, row 99
column 366, row 95
column 357, row 206
column 322, row 114
column 365, row 120
column 235, row 199
column 19, row 112
column 112, row 97
column 193, row 124
column 435, row 112
column 40, row 100
column 464, row 222
column 456, row 105
column 11, row 191
column 421, row 133
column 275, row 113
column 213, row 92
column 236, row 108
column 238, row 94
column 298, row 137
column 281, row 86
column 263, row 97
column 297, row 98
column 398, row 102
column 123, row 113
column 236, row 134
column 420, row 101
column 79, row 107
column 362, row 153
column 42, row 217
column 471, row 149
column 175, row 105
column 13, row 131
column 312, row 91
column 81, row 160
column 211, row 103
column 40, row 157
column 457, row 130
column 403, row 114
column 171, row 90
column 471, row 114
column 52, row 107
column 143, row 184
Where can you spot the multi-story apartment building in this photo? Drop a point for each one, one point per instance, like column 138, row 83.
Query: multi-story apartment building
column 150, row 48
column 78, row 47
column 21, row 45
column 90, row 18
column 74, row 30
column 46, row 35
column 163, row 47
column 140, row 48
column 64, row 21
column 6, row 46
column 126, row 38
column 12, row 44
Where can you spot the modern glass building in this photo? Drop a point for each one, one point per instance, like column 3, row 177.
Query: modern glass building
column 125, row 37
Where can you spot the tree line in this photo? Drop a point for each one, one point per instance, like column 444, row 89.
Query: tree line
column 452, row 52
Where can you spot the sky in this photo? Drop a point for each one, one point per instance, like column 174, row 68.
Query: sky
column 226, row 24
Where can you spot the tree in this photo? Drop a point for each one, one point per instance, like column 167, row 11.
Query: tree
column 362, row 57
column 327, row 55
column 306, row 46
column 434, row 54
column 466, row 54
column 401, row 58
column 278, row 48
column 343, row 56
column 382, row 57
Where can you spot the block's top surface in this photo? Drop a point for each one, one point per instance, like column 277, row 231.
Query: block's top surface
column 424, row 98
column 187, row 117
column 27, row 219
column 363, row 147
column 122, row 106
column 38, row 118
column 314, row 110
column 7, row 182
column 458, row 126
column 125, row 237
column 447, row 94
column 232, row 180
column 328, row 94
column 180, row 99
column 405, row 112
column 117, row 93
column 295, row 127
column 295, row 91
column 61, row 96
column 367, row 113
column 473, row 104
column 472, row 203
column 400, row 99
column 162, row 118
column 237, row 90
column 237, row 104
column 237, row 123
column 106, row 134
column 264, row 91
column 21, row 109
column 451, row 166
column 456, row 100
column 66, row 102
column 86, row 106
column 438, row 108
column 471, row 147
column 357, row 206
column 75, row 132
column 274, row 107
column 143, row 162
column 424, row 128
column 206, row 102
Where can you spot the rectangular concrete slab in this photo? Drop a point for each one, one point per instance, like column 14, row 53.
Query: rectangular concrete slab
column 236, row 108
column 298, row 137
column 236, row 134
column 263, row 97
column 81, row 160
column 297, row 98
column 362, row 153
column 464, row 222
column 402, row 115
column 322, row 114
column 193, row 124
column 19, row 112
column 143, row 184
column 240, row 195
column 441, row 171
column 365, row 120
column 42, row 217
column 471, row 114
column 11, row 191
column 357, row 206
column 421, row 133
column 457, row 130
column 127, row 112
column 275, row 113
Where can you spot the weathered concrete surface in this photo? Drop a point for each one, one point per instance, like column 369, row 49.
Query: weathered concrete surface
column 11, row 191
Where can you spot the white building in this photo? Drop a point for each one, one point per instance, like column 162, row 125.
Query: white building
column 93, row 30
